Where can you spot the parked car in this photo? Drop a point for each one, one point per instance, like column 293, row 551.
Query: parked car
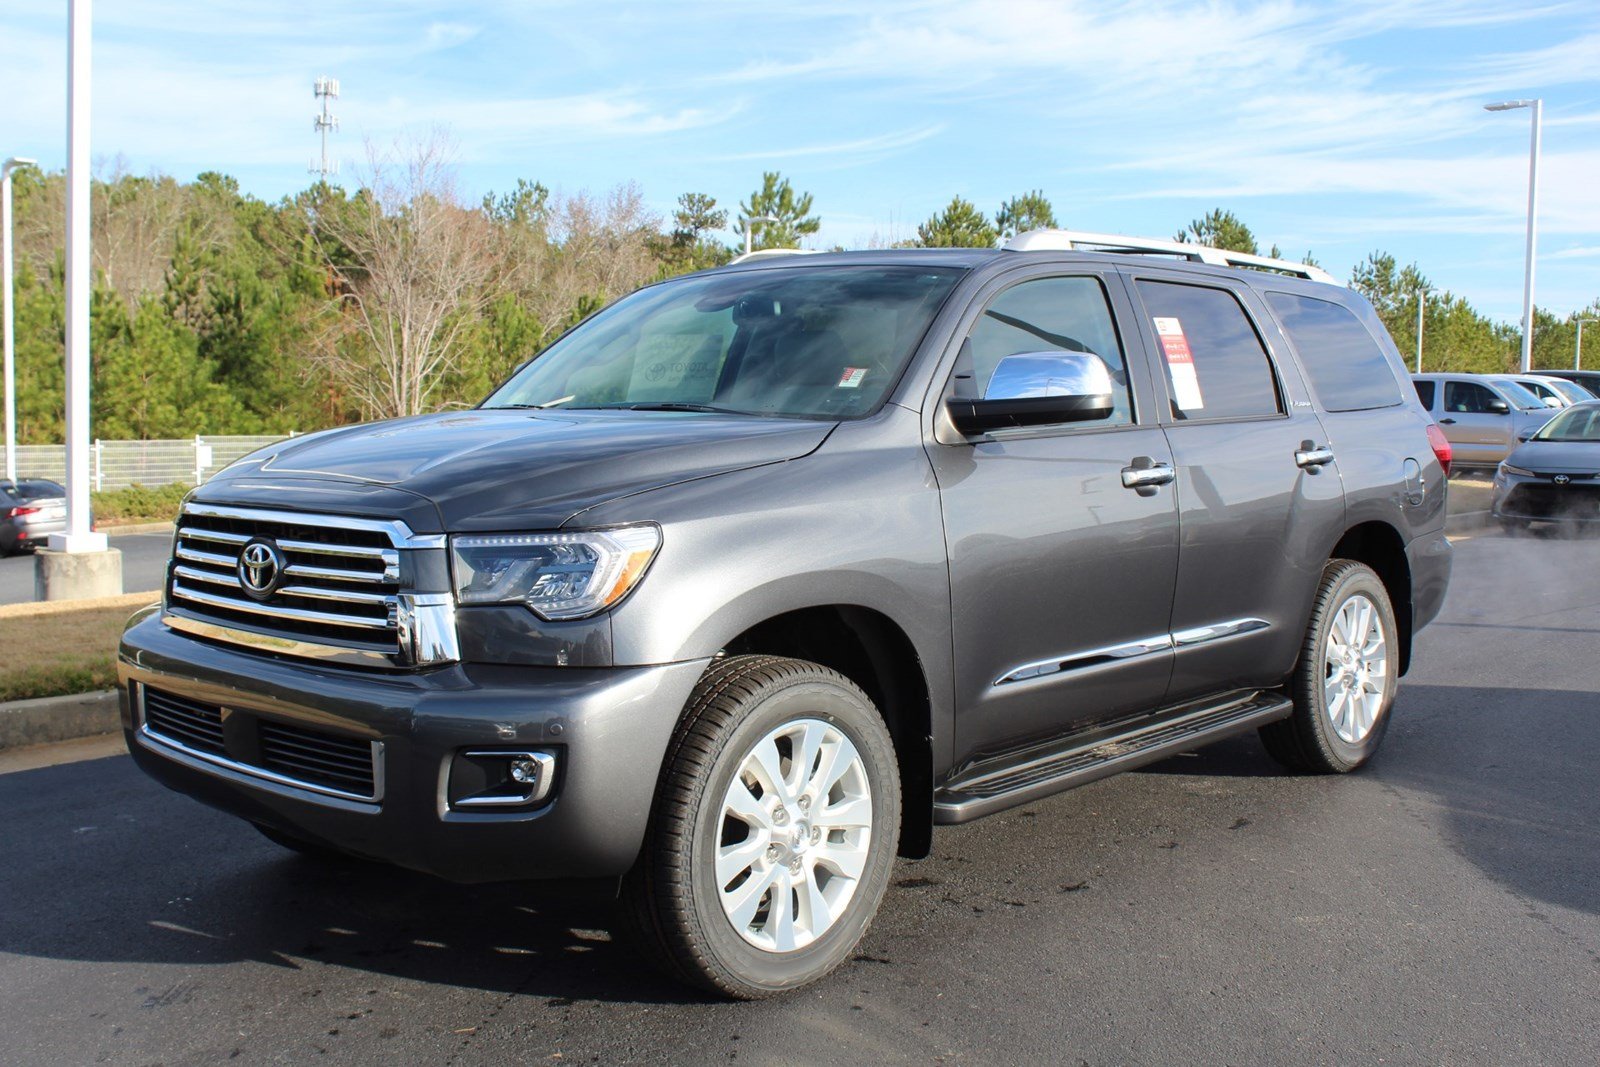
column 1481, row 417
column 1589, row 379
column 1542, row 391
column 1568, row 393
column 1554, row 474
column 30, row 510
column 748, row 581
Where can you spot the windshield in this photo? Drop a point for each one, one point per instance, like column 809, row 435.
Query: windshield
column 1571, row 390
column 1519, row 395
column 1580, row 423
column 809, row 342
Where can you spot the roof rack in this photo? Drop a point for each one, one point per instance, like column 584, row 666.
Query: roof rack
column 1071, row 240
column 771, row 253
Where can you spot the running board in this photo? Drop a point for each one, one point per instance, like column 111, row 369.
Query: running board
column 983, row 791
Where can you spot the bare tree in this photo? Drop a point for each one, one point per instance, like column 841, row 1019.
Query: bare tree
column 414, row 265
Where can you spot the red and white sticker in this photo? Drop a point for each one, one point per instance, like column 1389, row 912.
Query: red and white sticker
column 852, row 377
column 1180, row 364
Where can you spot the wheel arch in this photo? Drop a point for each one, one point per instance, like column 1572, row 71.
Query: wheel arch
column 875, row 653
column 1380, row 546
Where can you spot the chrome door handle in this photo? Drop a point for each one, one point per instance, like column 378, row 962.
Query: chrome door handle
column 1312, row 458
column 1147, row 477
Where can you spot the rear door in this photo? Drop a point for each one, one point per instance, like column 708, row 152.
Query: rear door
column 1477, row 434
column 1259, row 497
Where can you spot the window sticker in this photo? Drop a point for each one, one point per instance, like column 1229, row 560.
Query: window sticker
column 674, row 367
column 1180, row 363
column 852, row 377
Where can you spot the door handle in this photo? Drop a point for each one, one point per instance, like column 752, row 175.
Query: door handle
column 1447, row 422
column 1311, row 457
column 1148, row 476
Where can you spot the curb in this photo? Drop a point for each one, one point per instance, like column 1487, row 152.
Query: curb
column 137, row 528
column 50, row 719
column 1468, row 520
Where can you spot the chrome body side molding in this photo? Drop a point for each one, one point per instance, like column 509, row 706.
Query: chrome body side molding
column 1099, row 657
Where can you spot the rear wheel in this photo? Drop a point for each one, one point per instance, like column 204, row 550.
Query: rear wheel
column 773, row 832
column 1346, row 679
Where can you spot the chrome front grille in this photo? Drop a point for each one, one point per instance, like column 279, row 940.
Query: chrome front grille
column 339, row 583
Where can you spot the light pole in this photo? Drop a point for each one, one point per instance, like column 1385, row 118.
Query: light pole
column 7, row 327
column 1422, row 297
column 749, row 228
column 1537, row 109
column 1577, row 349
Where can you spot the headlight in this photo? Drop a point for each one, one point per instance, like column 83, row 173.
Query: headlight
column 1506, row 468
column 558, row 575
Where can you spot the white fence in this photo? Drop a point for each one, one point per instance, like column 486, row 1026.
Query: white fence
column 118, row 464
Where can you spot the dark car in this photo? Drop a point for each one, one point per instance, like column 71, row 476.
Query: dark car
column 1554, row 474
column 31, row 509
column 744, row 584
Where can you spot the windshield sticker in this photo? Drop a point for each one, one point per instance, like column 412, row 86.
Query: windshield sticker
column 1180, row 364
column 852, row 377
column 675, row 367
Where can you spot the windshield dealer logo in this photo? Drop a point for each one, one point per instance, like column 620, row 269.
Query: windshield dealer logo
column 260, row 568
column 1562, row 479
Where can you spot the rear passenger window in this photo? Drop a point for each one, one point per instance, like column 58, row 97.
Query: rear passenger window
column 1216, row 365
column 1347, row 368
column 1424, row 393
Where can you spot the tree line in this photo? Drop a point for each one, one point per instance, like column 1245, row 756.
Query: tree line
column 215, row 312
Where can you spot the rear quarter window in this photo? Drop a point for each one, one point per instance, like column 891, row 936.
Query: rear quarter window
column 1348, row 371
column 1425, row 391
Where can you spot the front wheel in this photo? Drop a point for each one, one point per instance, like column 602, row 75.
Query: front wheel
column 1346, row 679
column 773, row 832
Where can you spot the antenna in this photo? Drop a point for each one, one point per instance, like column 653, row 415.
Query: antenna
column 325, row 89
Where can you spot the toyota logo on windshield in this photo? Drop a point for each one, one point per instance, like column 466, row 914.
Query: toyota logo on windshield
column 260, row 568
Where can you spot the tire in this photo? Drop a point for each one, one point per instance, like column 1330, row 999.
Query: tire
column 745, row 934
column 1358, row 688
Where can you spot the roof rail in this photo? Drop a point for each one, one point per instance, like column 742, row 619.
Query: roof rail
column 772, row 253
column 1071, row 240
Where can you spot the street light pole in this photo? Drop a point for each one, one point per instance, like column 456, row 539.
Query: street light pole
column 78, row 537
column 1422, row 296
column 8, row 325
column 1577, row 349
column 1536, row 107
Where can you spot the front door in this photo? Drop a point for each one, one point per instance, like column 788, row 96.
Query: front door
column 1061, row 578
column 1476, row 430
column 1259, row 496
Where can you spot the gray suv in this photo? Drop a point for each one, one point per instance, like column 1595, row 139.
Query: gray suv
column 743, row 585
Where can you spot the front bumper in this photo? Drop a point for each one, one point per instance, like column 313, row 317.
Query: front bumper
column 1540, row 498
column 607, row 728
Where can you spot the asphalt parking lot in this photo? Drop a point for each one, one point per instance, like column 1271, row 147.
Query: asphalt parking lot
column 144, row 564
column 1443, row 906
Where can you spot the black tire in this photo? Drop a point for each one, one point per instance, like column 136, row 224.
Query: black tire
column 308, row 849
column 1308, row 739
column 671, row 902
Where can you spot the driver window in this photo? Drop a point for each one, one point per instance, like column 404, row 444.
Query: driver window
column 1467, row 398
column 1046, row 315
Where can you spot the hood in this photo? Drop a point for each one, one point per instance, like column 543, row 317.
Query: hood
column 510, row 469
column 1557, row 457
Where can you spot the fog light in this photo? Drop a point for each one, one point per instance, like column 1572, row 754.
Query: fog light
column 488, row 779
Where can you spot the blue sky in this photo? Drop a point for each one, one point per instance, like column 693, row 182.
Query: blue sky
column 1339, row 128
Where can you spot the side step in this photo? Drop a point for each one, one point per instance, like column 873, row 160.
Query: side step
column 984, row 791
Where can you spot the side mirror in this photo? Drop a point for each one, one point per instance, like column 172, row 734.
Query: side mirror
column 1497, row 407
column 1037, row 389
column 1552, row 402
column 1527, row 435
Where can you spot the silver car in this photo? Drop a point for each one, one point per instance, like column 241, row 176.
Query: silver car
column 1554, row 475
column 30, row 510
column 1482, row 417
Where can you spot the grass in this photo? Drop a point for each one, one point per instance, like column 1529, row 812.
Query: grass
column 137, row 504
column 59, row 652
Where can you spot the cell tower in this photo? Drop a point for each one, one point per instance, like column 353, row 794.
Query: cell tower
column 326, row 89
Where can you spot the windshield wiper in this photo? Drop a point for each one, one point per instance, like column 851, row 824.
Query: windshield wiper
column 669, row 405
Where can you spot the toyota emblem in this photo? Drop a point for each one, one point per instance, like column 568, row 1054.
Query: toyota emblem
column 260, row 568
column 1562, row 479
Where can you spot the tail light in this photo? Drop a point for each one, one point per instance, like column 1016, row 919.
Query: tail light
column 1441, row 447
column 16, row 513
